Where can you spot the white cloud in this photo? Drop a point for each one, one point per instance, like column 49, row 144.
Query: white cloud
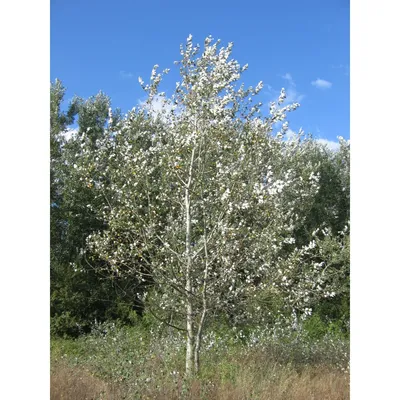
column 160, row 106
column 330, row 144
column 292, row 95
column 125, row 75
column 288, row 77
column 290, row 134
column 155, row 106
column 69, row 133
column 321, row 84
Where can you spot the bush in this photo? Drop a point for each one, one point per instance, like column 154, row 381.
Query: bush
column 66, row 325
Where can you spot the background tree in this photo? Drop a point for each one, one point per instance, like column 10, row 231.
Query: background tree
column 79, row 294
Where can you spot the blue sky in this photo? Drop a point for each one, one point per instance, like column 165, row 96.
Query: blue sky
column 303, row 46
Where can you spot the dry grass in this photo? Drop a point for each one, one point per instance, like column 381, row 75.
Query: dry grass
column 283, row 383
column 122, row 366
column 308, row 385
column 69, row 383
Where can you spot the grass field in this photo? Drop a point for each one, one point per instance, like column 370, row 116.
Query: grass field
column 130, row 364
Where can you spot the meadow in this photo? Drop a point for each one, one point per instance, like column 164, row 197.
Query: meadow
column 136, row 363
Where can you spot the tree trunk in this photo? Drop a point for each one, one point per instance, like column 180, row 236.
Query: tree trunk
column 188, row 287
column 204, row 297
column 197, row 345
column 189, row 283
column 190, row 353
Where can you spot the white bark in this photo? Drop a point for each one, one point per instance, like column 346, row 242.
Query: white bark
column 189, row 283
column 204, row 299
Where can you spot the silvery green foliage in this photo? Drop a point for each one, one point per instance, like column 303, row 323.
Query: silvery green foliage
column 120, row 354
column 198, row 201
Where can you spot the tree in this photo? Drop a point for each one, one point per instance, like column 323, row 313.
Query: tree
column 59, row 122
column 79, row 293
column 197, row 205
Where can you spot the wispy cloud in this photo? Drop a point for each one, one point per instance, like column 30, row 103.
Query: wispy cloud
column 125, row 75
column 292, row 95
column 344, row 67
column 288, row 77
column 321, row 84
column 330, row 144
